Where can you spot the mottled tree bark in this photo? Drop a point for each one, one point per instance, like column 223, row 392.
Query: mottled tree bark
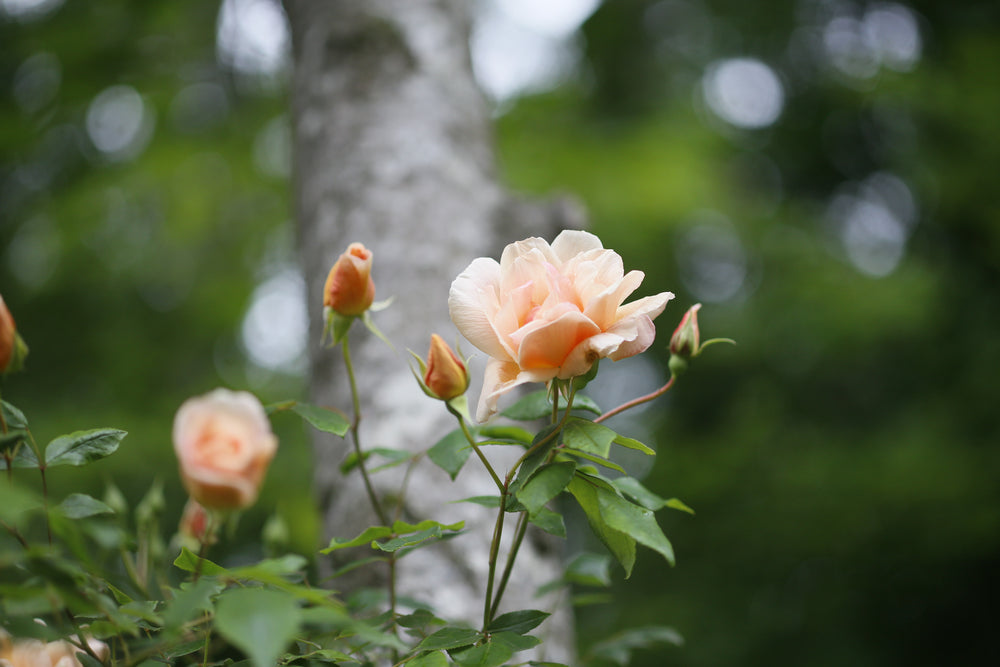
column 393, row 149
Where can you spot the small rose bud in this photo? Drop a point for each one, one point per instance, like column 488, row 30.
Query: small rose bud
column 446, row 376
column 349, row 288
column 686, row 340
column 12, row 347
column 194, row 523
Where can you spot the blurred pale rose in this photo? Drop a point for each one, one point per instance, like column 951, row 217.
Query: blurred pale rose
column 349, row 288
column 224, row 444
column 546, row 312
column 36, row 653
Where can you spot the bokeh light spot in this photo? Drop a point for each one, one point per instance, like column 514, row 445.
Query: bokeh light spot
column 744, row 92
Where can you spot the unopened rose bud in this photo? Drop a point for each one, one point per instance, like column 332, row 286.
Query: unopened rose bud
column 12, row 347
column 686, row 339
column 194, row 523
column 446, row 376
column 349, row 288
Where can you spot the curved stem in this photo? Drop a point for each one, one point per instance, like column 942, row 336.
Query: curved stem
column 355, row 436
column 637, row 401
column 475, row 446
column 494, row 553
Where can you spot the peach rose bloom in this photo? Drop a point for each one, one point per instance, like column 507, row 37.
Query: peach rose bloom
column 36, row 653
column 548, row 312
column 349, row 288
column 224, row 444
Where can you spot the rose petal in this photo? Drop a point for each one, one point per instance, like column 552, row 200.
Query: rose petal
column 572, row 242
column 473, row 303
column 549, row 345
column 641, row 336
column 603, row 308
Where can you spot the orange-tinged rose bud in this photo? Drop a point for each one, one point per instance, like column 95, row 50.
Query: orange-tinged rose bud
column 194, row 522
column 446, row 376
column 224, row 444
column 349, row 287
column 7, row 333
column 686, row 341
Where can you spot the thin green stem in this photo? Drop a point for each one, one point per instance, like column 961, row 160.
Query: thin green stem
column 45, row 501
column 355, row 435
column 494, row 553
column 519, row 531
column 475, row 446
column 637, row 401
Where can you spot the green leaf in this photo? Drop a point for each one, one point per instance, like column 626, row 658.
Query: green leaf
column 637, row 522
column 590, row 570
column 25, row 456
column 394, row 457
column 9, row 439
column 621, row 545
column 15, row 502
column 188, row 562
column 366, row 537
column 531, row 407
column 435, row 659
column 448, row 638
column 490, row 654
column 426, row 530
column 546, row 664
column 190, row 601
column 258, row 621
column 589, row 437
column 631, row 443
column 420, row 618
column 549, row 521
column 451, row 452
column 485, row 501
column 13, row 416
column 618, row 649
column 518, row 622
column 636, row 491
column 504, row 432
column 582, row 402
column 80, row 506
column 533, row 462
column 322, row 419
column 611, row 465
column 545, row 484
column 677, row 504
column 82, row 447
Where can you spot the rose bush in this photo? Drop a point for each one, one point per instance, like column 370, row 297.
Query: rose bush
column 224, row 445
column 550, row 311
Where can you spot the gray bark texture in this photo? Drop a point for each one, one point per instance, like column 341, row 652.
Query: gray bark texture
column 393, row 149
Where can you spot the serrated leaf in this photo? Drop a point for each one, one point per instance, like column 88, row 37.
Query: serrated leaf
column 366, row 537
column 632, row 443
column 637, row 522
column 451, row 452
column 258, row 621
column 589, row 437
column 188, row 561
column 636, row 491
column 80, row 506
column 82, row 447
column 323, row 419
column 448, row 638
column 549, row 521
column 518, row 622
column 621, row 545
column 545, row 484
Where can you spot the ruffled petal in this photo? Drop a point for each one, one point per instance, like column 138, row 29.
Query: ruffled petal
column 637, row 338
column 603, row 307
column 650, row 306
column 572, row 242
column 499, row 378
column 548, row 346
column 473, row 303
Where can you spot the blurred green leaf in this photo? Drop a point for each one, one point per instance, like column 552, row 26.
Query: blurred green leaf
column 188, row 561
column 518, row 622
column 323, row 419
column 451, row 452
column 448, row 638
column 618, row 649
column 80, row 506
column 545, row 484
column 82, row 447
column 260, row 622
column 435, row 659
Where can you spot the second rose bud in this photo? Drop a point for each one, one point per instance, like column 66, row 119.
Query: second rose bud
column 443, row 375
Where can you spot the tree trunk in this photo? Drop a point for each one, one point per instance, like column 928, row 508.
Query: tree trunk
column 393, row 149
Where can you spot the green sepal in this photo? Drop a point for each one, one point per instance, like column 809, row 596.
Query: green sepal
column 335, row 326
column 368, row 322
column 18, row 354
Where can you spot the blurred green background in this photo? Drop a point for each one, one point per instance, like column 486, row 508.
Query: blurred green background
column 819, row 173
